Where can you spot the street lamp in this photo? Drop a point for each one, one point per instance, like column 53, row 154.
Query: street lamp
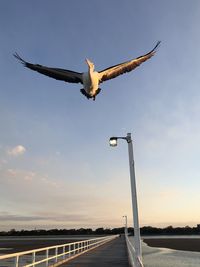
column 113, row 141
column 126, row 225
column 137, row 242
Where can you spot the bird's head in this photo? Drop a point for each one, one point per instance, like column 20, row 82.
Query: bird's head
column 90, row 64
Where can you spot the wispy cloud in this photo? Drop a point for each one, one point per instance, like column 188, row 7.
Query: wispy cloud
column 18, row 177
column 40, row 199
column 7, row 217
column 16, row 151
column 3, row 162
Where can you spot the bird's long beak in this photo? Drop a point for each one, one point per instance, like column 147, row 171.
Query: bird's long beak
column 88, row 61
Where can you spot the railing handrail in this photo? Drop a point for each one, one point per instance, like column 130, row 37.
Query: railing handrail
column 135, row 261
column 45, row 248
column 87, row 243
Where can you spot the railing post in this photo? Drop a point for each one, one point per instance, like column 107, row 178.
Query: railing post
column 33, row 258
column 74, row 249
column 69, row 254
column 56, row 254
column 63, row 252
column 47, row 258
column 17, row 261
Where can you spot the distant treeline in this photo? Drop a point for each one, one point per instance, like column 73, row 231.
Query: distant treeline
column 146, row 230
column 81, row 231
column 170, row 230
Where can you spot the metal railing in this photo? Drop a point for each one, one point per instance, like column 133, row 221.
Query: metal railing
column 54, row 255
column 134, row 259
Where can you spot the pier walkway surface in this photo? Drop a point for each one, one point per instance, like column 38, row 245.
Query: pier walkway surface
column 111, row 254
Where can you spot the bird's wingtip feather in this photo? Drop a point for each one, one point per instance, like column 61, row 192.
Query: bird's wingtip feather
column 16, row 55
column 157, row 45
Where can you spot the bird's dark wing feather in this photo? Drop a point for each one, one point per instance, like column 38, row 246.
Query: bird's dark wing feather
column 124, row 67
column 56, row 73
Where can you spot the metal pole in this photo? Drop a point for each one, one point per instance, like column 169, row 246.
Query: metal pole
column 126, row 225
column 134, row 198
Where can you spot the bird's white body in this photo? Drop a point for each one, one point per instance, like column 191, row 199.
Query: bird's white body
column 90, row 79
column 91, row 82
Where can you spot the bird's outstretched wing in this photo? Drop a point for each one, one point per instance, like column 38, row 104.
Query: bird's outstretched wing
column 56, row 73
column 124, row 67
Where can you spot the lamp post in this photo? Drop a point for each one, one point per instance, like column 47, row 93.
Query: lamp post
column 126, row 225
column 137, row 242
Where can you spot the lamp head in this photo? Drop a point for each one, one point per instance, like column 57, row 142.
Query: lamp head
column 113, row 141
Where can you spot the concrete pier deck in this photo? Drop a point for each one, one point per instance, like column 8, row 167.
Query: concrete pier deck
column 111, row 254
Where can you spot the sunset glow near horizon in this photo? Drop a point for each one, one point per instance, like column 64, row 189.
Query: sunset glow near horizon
column 57, row 169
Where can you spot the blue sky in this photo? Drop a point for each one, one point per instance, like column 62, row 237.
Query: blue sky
column 56, row 167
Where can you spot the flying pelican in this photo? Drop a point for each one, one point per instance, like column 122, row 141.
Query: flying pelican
column 90, row 79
